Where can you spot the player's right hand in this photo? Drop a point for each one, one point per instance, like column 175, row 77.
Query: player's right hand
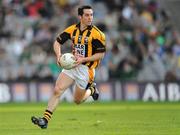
column 58, row 60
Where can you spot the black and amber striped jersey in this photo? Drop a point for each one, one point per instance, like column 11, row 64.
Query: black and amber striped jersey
column 84, row 43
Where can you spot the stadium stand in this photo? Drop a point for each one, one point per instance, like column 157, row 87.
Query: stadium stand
column 142, row 42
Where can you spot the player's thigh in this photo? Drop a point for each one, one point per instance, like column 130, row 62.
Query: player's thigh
column 79, row 93
column 63, row 81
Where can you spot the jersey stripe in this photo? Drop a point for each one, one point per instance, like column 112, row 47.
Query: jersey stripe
column 91, row 75
column 73, row 35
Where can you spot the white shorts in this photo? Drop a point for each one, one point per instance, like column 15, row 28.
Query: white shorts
column 82, row 75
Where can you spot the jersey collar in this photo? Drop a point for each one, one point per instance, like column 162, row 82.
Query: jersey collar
column 89, row 27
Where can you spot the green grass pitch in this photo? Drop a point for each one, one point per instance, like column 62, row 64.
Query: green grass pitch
column 96, row 118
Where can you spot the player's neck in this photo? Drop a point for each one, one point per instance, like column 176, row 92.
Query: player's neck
column 83, row 26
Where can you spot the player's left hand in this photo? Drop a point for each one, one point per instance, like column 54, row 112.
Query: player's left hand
column 79, row 60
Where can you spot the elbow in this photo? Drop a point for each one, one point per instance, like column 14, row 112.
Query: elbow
column 102, row 55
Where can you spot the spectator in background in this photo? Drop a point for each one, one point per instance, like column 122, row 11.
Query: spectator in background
column 138, row 26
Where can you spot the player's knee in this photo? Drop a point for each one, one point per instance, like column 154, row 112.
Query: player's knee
column 77, row 101
column 58, row 90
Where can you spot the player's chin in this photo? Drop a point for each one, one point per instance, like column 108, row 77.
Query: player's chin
column 89, row 23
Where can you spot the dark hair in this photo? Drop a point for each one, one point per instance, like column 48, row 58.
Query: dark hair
column 81, row 9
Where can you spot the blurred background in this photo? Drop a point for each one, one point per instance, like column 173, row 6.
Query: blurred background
column 142, row 61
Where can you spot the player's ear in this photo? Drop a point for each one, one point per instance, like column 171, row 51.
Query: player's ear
column 80, row 17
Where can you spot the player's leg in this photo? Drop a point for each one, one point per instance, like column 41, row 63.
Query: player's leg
column 91, row 85
column 80, row 95
column 84, row 84
column 94, row 91
column 62, row 83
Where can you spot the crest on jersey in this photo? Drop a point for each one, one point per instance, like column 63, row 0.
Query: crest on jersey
column 86, row 40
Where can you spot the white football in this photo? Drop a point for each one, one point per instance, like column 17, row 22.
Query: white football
column 67, row 61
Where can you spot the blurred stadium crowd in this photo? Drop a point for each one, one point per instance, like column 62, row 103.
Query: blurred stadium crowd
column 142, row 43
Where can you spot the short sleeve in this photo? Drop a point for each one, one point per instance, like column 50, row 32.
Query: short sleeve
column 65, row 35
column 99, row 42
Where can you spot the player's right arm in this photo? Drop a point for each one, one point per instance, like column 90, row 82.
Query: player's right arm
column 60, row 40
column 57, row 50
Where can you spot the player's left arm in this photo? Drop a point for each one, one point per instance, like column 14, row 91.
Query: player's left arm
column 95, row 57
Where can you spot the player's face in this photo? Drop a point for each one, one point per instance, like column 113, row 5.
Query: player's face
column 87, row 17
